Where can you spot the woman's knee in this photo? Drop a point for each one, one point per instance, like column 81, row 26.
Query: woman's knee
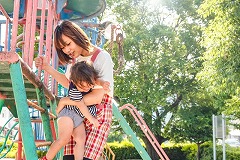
column 80, row 139
column 63, row 141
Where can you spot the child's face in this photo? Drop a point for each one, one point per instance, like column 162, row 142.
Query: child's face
column 84, row 87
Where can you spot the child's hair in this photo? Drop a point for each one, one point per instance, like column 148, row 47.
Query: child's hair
column 83, row 72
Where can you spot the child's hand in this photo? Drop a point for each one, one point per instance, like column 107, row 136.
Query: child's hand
column 59, row 108
column 61, row 104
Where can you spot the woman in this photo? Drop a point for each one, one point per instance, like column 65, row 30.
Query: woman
column 72, row 44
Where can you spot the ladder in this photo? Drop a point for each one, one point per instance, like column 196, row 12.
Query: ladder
column 17, row 88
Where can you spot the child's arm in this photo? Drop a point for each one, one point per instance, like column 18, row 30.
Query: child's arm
column 104, row 84
column 67, row 101
column 63, row 102
column 82, row 107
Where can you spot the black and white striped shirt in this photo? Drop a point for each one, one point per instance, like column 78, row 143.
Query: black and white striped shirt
column 75, row 95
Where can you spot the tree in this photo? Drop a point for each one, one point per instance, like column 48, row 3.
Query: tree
column 161, row 62
column 193, row 122
column 222, row 58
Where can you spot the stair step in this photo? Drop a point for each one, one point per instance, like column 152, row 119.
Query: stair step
column 45, row 143
column 40, row 143
column 35, row 120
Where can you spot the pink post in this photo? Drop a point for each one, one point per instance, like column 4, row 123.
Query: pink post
column 15, row 25
column 8, row 20
column 27, row 31
column 49, row 39
column 32, row 33
column 41, row 34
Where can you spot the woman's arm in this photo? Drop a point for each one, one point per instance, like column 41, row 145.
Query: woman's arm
column 59, row 77
column 41, row 61
column 94, row 97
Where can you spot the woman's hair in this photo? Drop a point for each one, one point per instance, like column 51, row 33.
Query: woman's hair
column 83, row 72
column 75, row 33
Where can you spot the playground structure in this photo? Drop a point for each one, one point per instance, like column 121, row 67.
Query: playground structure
column 22, row 88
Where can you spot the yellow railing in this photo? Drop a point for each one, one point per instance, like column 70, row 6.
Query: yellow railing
column 107, row 154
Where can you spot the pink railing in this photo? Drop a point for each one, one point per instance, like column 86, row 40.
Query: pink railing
column 33, row 24
column 146, row 130
column 8, row 20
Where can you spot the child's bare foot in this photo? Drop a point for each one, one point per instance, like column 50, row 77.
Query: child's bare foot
column 94, row 121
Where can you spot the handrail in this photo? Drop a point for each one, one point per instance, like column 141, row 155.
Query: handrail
column 108, row 153
column 6, row 138
column 5, row 125
column 146, row 130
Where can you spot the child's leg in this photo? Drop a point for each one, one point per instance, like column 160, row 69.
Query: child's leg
column 65, row 130
column 79, row 135
column 87, row 114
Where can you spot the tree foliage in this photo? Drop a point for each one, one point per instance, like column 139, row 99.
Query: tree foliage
column 221, row 59
column 162, row 58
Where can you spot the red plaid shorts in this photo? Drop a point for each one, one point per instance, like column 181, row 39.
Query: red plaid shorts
column 96, row 137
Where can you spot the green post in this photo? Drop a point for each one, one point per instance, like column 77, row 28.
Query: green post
column 127, row 129
column 53, row 105
column 1, row 104
column 45, row 117
column 22, row 111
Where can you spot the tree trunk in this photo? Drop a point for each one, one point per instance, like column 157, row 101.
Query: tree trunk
column 151, row 151
column 198, row 151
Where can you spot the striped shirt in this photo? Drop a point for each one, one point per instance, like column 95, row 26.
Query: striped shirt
column 75, row 95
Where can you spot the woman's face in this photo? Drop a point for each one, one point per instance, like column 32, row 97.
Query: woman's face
column 71, row 48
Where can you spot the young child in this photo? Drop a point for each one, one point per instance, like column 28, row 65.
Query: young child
column 84, row 78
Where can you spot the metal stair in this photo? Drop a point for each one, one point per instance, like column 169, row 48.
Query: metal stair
column 13, row 86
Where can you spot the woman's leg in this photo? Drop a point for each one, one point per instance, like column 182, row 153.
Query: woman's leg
column 79, row 135
column 97, row 137
column 65, row 130
column 93, row 150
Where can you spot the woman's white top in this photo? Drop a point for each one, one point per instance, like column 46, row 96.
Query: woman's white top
column 103, row 64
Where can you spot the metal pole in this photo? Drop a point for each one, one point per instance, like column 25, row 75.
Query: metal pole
column 214, row 136
column 223, row 138
column 22, row 111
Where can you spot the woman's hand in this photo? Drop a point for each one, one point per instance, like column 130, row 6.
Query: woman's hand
column 41, row 61
column 106, row 86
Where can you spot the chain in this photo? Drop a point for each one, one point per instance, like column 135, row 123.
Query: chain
column 119, row 40
column 112, row 39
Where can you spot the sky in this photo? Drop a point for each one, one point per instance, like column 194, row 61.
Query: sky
column 2, row 30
